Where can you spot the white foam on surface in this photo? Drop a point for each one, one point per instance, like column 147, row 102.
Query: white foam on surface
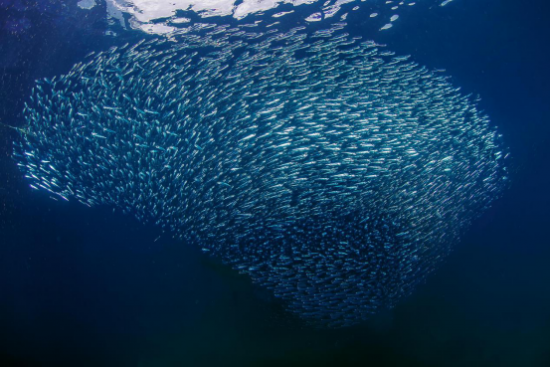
column 161, row 16
column 86, row 4
column 145, row 14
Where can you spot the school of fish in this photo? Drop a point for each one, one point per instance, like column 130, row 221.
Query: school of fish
column 329, row 170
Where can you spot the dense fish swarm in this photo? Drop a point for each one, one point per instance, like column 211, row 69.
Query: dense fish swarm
column 330, row 171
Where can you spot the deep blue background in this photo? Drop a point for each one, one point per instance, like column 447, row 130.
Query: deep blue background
column 89, row 287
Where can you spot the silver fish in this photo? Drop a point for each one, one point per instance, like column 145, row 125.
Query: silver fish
column 332, row 172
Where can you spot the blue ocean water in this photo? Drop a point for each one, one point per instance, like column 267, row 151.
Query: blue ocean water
column 93, row 287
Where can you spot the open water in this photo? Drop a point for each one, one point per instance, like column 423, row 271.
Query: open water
column 260, row 183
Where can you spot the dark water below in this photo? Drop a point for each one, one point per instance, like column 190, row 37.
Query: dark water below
column 89, row 287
